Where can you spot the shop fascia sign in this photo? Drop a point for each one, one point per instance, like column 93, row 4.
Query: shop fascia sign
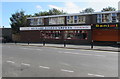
column 106, row 26
column 57, row 28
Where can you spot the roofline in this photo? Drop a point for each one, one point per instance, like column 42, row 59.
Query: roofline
column 74, row 14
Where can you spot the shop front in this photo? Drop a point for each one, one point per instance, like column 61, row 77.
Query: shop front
column 106, row 32
column 57, row 34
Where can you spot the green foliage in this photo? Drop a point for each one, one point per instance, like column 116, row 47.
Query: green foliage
column 108, row 9
column 88, row 10
column 50, row 12
column 18, row 19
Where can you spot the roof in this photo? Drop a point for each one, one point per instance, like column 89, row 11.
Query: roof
column 75, row 14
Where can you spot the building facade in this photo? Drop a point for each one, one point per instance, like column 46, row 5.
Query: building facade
column 73, row 28
column 5, row 34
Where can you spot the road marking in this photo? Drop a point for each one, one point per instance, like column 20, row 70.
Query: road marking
column 68, row 52
column 10, row 62
column 23, row 48
column 96, row 75
column 86, row 50
column 70, row 49
column 80, row 53
column 25, row 64
column 71, row 53
column 100, row 55
column 31, row 49
column 27, row 48
column 113, row 52
column 44, row 67
column 67, row 70
column 39, row 49
column 85, row 54
column 106, row 52
column 65, row 64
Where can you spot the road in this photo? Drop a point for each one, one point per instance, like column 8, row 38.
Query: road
column 31, row 61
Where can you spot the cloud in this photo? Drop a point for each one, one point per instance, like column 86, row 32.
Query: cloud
column 69, row 7
column 38, row 7
column 99, row 6
column 53, row 6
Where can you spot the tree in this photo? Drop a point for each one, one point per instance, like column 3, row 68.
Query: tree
column 55, row 12
column 108, row 9
column 88, row 10
column 18, row 19
column 50, row 12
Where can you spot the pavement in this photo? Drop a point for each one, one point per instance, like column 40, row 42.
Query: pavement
column 69, row 46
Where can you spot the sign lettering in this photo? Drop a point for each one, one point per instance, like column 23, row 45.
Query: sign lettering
column 57, row 28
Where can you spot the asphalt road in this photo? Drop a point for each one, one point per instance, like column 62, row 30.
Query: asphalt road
column 31, row 61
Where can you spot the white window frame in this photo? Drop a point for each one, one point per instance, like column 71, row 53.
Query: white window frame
column 110, row 18
column 72, row 18
column 56, row 20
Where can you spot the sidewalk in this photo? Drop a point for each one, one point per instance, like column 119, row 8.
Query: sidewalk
column 68, row 46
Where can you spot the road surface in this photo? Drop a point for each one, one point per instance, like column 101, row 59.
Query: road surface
column 31, row 61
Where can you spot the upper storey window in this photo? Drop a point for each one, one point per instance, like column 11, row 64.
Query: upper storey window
column 114, row 17
column 75, row 19
column 36, row 21
column 56, row 20
column 107, row 18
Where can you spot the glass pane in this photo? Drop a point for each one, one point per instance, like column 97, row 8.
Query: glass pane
column 75, row 17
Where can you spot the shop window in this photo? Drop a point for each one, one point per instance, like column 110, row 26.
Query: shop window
column 69, row 34
column 80, row 35
column 56, row 34
column 51, row 34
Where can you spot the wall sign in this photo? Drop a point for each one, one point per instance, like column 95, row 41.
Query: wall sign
column 112, row 26
column 105, row 25
column 57, row 28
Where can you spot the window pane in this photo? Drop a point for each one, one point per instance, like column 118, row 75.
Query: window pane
column 75, row 17
column 56, row 20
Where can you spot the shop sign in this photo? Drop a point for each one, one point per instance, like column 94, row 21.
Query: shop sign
column 114, row 26
column 57, row 28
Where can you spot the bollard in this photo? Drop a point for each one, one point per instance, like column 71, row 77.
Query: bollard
column 28, row 42
column 15, row 42
column 64, row 43
column 92, row 44
column 43, row 42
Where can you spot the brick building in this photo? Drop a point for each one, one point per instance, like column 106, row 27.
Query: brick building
column 78, row 28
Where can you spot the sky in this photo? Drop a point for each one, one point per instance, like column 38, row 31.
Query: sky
column 8, row 7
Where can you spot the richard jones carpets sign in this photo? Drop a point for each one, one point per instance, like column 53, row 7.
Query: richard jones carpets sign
column 56, row 28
